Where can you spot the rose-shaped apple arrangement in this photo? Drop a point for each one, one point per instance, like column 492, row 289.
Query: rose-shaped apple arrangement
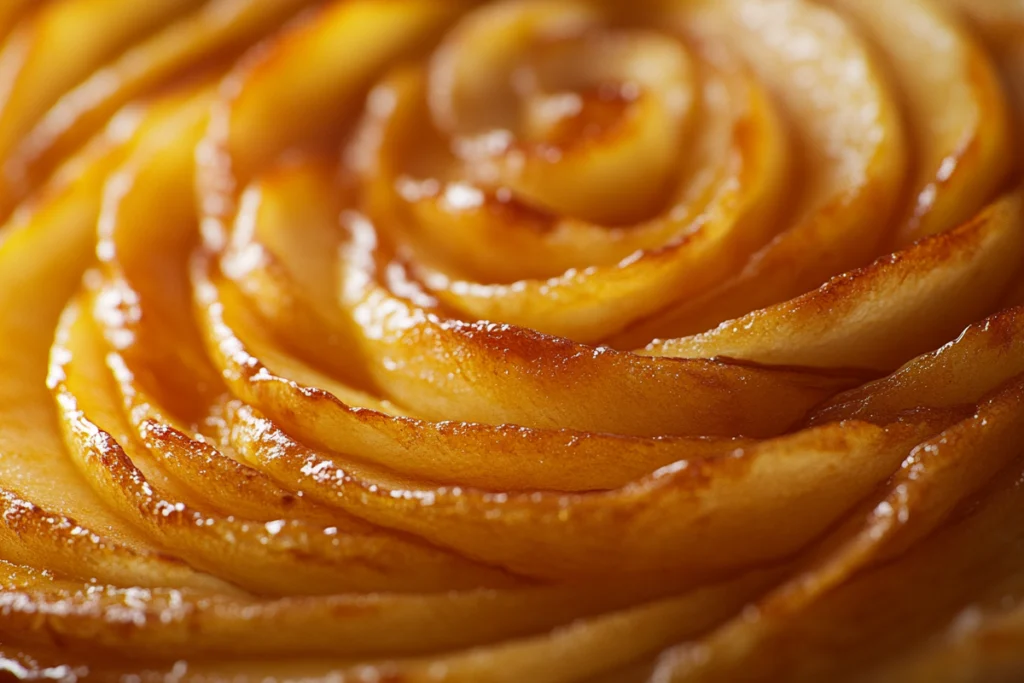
column 538, row 340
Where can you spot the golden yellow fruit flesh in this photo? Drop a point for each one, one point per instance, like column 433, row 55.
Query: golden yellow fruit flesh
column 541, row 341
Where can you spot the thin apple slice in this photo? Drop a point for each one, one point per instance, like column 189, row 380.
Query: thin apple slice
column 1001, row 26
column 955, row 108
column 960, row 373
column 580, row 650
column 281, row 557
column 880, row 316
column 731, row 507
column 921, row 589
column 286, row 214
column 93, row 30
column 217, row 30
column 495, row 373
column 980, row 644
column 853, row 155
column 52, row 517
column 10, row 13
column 704, row 242
column 314, row 75
column 92, row 621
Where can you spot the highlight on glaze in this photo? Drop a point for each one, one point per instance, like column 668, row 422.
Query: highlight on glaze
column 559, row 341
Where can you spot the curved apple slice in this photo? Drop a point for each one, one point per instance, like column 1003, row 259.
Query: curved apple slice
column 882, row 315
column 466, row 96
column 416, row 189
column 1001, row 26
column 214, row 28
column 52, row 518
column 577, row 652
column 490, row 373
column 955, row 109
column 702, row 248
column 281, row 557
column 290, row 210
column 96, row 621
column 729, row 507
column 960, row 373
column 312, row 78
column 446, row 452
column 853, row 155
column 921, row 589
column 93, row 30
column 507, row 70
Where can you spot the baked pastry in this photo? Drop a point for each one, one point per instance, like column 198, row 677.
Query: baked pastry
column 534, row 340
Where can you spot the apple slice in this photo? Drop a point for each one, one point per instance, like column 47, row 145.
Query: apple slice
column 853, row 157
column 93, row 30
column 748, row 506
column 446, row 452
column 984, row 356
column 955, row 108
column 10, row 13
column 213, row 29
column 880, row 316
column 52, row 517
column 921, row 590
column 706, row 235
column 315, row 74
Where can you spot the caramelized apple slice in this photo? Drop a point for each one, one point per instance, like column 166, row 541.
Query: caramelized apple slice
column 92, row 30
column 52, row 517
column 214, row 30
column 880, row 316
column 91, row 621
column 921, row 590
column 314, row 75
column 985, row 356
column 1001, row 26
column 852, row 155
column 955, row 111
column 10, row 13
column 657, row 522
column 485, row 372
column 979, row 644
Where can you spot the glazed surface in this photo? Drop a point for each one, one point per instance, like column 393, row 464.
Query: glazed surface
column 554, row 341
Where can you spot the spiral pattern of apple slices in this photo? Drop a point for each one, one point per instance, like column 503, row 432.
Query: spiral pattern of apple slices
column 557, row 341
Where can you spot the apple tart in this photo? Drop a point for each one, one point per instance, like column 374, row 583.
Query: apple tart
column 552, row 341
